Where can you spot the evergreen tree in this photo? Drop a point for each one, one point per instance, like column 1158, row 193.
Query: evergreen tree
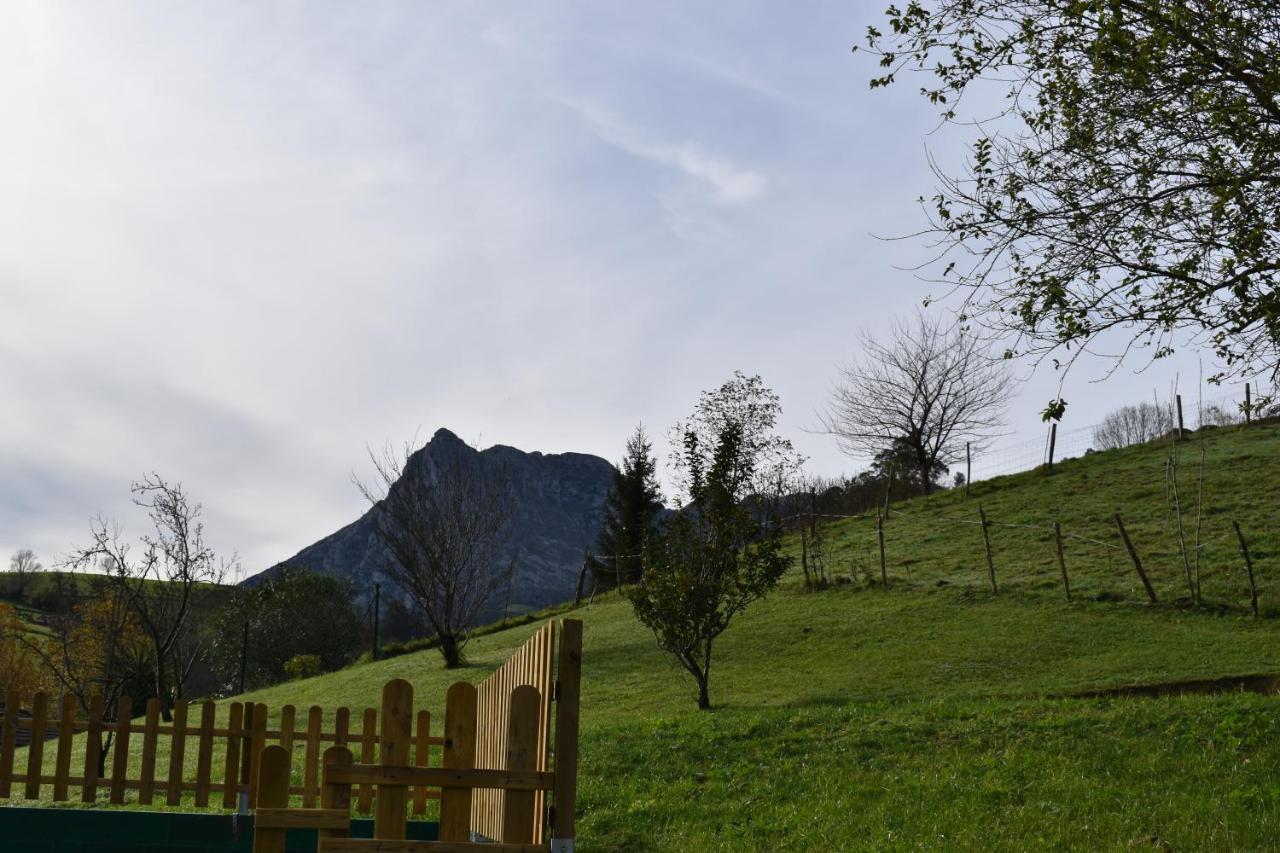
column 630, row 511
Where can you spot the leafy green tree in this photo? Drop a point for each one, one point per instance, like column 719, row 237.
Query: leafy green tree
column 290, row 614
column 1128, row 180
column 722, row 550
column 630, row 511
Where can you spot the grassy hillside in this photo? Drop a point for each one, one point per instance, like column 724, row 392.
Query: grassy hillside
column 935, row 713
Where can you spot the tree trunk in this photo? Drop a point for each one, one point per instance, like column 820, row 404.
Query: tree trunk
column 103, row 750
column 451, row 651
column 162, row 694
column 704, row 680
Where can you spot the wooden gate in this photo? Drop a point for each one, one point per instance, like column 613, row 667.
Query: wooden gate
column 529, row 666
column 519, row 723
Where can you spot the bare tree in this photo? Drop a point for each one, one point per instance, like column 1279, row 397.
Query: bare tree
column 157, row 585
column 444, row 523
column 95, row 648
column 1132, row 425
column 23, row 565
column 926, row 389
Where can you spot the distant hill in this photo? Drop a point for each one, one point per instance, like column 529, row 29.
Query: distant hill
column 559, row 505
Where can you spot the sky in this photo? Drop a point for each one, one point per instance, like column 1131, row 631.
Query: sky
column 242, row 242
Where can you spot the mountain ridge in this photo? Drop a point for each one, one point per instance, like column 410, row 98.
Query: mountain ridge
column 558, row 508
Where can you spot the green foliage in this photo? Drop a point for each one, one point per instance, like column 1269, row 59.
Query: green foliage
column 1131, row 178
column 303, row 666
column 295, row 612
column 722, row 551
column 630, row 512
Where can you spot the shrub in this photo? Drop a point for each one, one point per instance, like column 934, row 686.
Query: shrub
column 303, row 666
column 1132, row 425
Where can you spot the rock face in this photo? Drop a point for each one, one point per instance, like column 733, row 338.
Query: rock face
column 558, row 507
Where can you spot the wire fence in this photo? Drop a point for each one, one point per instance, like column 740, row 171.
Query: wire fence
column 1109, row 560
column 997, row 461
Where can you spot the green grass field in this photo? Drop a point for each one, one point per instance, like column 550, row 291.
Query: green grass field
column 935, row 713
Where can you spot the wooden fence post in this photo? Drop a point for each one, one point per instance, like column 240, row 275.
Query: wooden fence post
column 146, row 787
column 519, row 818
column 1062, row 560
column 35, row 750
column 582, row 576
column 1248, row 405
column 368, row 731
column 272, row 787
column 884, row 571
column 422, row 758
column 336, row 795
column 288, row 721
column 8, row 740
column 177, row 752
column 459, row 754
column 311, row 758
column 204, row 753
column 231, row 767
column 92, row 750
column 968, row 468
column 986, row 543
column 568, row 683
column 1133, row 555
column 66, row 733
column 397, row 727
column 120, row 759
column 1248, row 567
column 257, row 742
column 1181, row 425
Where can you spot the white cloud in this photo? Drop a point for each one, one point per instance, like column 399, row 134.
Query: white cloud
column 728, row 183
column 242, row 241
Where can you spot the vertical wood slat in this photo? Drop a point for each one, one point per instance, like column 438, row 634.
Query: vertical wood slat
column 257, row 742
column 341, row 726
column 35, row 750
column 544, row 716
column 231, row 765
column 92, row 750
column 8, row 740
column 395, row 738
column 522, row 746
column 272, row 787
column 311, row 758
column 459, row 754
column 120, row 759
column 334, row 795
column 147, row 776
column 568, row 676
column 422, row 758
column 177, row 753
column 66, row 732
column 287, row 719
column 204, row 754
column 531, row 665
column 364, row 793
column 247, row 767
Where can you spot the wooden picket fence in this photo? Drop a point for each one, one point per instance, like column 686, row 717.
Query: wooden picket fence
column 530, row 666
column 523, row 718
column 225, row 756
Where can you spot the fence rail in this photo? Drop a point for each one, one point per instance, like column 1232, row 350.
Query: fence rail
column 239, row 743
